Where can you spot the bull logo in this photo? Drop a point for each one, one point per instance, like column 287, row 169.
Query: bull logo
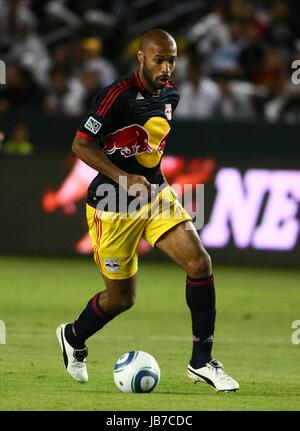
column 129, row 140
column 145, row 142
column 112, row 265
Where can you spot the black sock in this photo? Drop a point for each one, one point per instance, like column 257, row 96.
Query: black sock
column 90, row 320
column 200, row 297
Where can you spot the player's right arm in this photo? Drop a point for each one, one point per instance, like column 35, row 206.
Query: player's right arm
column 92, row 155
column 85, row 145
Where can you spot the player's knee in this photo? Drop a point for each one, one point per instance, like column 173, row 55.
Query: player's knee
column 200, row 266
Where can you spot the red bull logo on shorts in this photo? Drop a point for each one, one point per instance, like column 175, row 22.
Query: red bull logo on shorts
column 112, row 265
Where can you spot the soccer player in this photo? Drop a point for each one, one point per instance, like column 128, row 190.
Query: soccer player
column 123, row 138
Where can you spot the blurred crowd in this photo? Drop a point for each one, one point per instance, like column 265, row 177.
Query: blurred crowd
column 235, row 56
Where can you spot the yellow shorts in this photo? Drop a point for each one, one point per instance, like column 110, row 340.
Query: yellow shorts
column 115, row 236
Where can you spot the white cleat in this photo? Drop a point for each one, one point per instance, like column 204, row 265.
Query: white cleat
column 74, row 359
column 213, row 373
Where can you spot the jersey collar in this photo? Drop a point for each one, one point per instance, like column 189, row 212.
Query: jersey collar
column 137, row 81
column 140, row 86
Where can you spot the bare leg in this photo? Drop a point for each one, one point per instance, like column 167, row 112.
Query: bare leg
column 118, row 296
column 186, row 249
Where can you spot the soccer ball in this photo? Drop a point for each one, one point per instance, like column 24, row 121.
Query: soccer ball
column 136, row 372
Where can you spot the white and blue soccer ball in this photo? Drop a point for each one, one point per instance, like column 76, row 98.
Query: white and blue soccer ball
column 137, row 372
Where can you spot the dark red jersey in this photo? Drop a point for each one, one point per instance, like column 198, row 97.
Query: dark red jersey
column 131, row 126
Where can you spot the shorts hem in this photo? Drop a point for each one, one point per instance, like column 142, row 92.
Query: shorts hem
column 115, row 276
column 169, row 228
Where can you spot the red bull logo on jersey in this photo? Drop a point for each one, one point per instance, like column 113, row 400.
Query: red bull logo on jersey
column 158, row 130
column 161, row 146
column 146, row 142
column 129, row 140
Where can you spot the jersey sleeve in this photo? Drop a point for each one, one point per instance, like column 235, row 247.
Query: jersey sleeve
column 98, row 117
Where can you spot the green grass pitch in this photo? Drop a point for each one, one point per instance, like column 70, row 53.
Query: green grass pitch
column 256, row 308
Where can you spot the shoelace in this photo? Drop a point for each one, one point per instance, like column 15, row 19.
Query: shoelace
column 79, row 364
column 218, row 368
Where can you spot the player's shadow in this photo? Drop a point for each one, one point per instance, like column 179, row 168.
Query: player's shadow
column 192, row 392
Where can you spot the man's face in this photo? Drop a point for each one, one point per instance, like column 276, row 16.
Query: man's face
column 157, row 64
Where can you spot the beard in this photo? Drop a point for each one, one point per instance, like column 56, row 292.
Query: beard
column 153, row 82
